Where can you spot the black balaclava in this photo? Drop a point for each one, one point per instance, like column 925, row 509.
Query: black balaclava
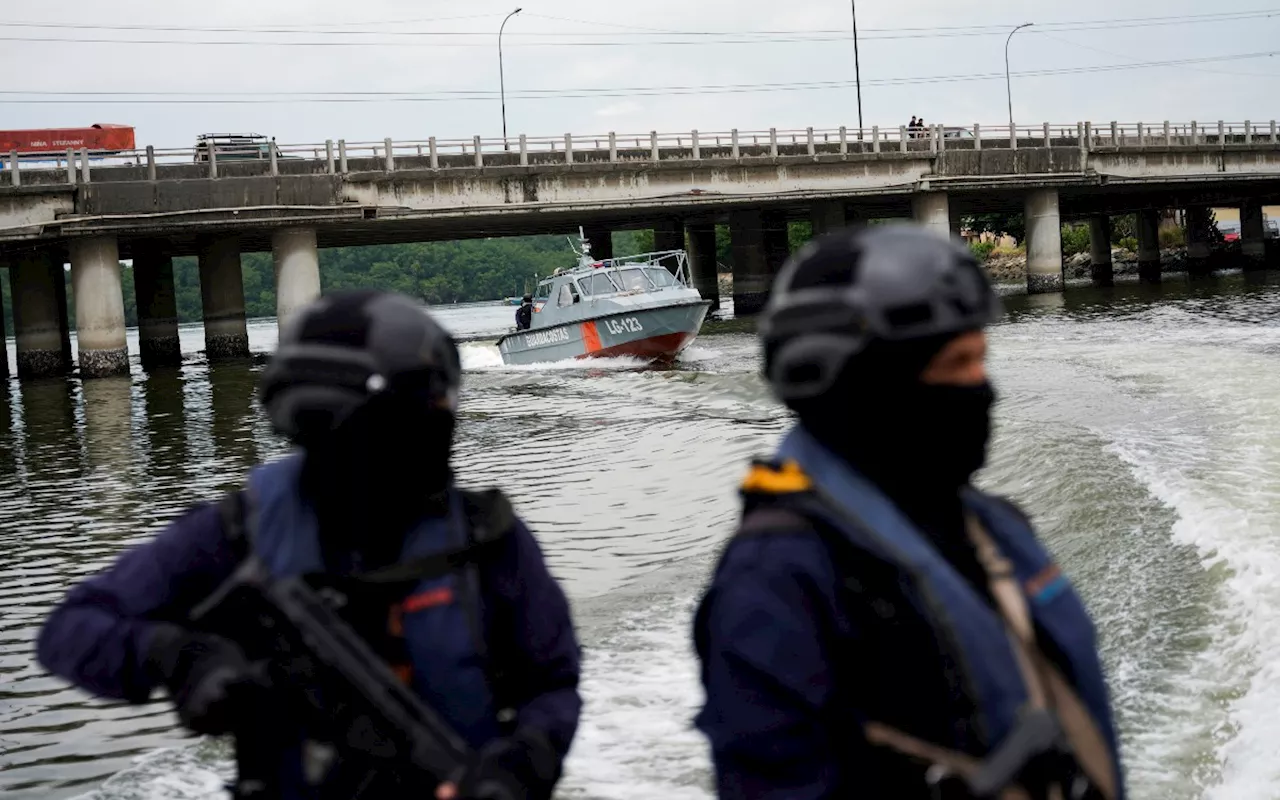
column 384, row 469
column 919, row 443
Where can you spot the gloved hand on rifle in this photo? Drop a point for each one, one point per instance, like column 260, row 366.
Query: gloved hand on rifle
column 214, row 687
column 523, row 766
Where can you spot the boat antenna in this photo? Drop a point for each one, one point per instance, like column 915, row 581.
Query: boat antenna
column 585, row 259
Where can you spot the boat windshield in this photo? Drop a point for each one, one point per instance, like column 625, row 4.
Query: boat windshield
column 661, row 276
column 598, row 283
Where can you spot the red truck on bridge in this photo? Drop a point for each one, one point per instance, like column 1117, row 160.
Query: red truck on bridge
column 97, row 138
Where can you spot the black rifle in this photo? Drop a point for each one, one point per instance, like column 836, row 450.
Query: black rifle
column 378, row 739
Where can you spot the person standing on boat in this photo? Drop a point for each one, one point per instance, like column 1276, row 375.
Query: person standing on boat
column 365, row 384
column 524, row 314
column 877, row 627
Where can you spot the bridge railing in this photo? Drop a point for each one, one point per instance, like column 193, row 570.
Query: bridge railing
column 338, row 157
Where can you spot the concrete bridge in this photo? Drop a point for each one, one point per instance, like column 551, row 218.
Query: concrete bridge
column 151, row 205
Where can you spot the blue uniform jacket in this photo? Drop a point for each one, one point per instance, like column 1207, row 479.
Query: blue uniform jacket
column 98, row 637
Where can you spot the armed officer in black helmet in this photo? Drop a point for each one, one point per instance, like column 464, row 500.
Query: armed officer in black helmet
column 366, row 384
column 877, row 627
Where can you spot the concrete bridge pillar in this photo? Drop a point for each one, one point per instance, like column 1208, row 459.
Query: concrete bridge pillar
column 777, row 244
column 297, row 264
column 1253, row 242
column 1197, row 241
column 1103, row 272
column 39, row 289
column 750, row 268
column 1148, row 224
column 4, row 355
column 1044, row 242
column 95, row 279
column 226, row 334
column 601, row 239
column 158, row 342
column 933, row 211
column 702, row 262
column 827, row 217
column 668, row 234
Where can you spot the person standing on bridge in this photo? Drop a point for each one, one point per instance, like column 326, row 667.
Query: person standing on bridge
column 365, row 384
column 877, row 627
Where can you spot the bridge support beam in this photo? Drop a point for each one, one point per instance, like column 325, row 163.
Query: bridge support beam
column 39, row 290
column 777, row 245
column 702, row 262
column 827, row 217
column 1044, row 242
column 95, row 279
column 158, row 342
column 297, row 266
column 1148, row 225
column 601, row 239
column 226, row 334
column 750, row 267
column 933, row 211
column 1101, row 269
column 1197, row 241
column 1253, row 242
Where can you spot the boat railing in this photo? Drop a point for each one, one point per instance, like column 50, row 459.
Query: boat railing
column 667, row 259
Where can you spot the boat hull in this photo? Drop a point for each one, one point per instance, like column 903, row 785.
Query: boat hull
column 659, row 333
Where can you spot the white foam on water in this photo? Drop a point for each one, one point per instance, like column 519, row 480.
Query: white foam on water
column 641, row 690
column 693, row 354
column 478, row 357
column 1220, row 471
column 199, row 772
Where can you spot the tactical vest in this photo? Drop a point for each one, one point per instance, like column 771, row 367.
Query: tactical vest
column 439, row 618
column 1027, row 713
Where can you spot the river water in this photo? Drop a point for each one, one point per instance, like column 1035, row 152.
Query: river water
column 1138, row 425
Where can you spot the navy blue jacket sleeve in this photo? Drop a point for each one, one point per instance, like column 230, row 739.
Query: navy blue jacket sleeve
column 98, row 637
column 544, row 657
column 763, row 632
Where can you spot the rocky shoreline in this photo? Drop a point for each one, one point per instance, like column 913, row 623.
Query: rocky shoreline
column 1012, row 268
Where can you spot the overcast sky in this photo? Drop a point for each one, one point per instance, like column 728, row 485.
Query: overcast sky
column 558, row 47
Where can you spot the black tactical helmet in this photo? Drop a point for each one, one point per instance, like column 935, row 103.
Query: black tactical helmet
column 346, row 348
column 854, row 288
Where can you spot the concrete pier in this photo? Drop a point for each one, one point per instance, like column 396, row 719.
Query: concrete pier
column 1044, row 242
column 1102, row 270
column 1253, row 242
column 668, row 234
column 777, row 244
column 1148, row 225
column 38, row 287
column 158, row 343
column 1197, row 241
column 933, row 211
column 95, row 279
column 750, row 267
column 827, row 217
column 705, row 272
column 4, row 357
column 297, row 266
column 226, row 335
column 601, row 240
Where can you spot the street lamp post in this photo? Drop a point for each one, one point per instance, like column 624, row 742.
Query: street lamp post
column 1008, row 83
column 502, row 78
column 857, row 69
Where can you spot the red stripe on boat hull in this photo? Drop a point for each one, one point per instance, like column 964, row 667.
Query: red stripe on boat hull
column 665, row 347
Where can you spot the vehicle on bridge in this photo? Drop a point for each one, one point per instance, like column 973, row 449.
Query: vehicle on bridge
column 235, row 147
column 99, row 138
column 636, row 306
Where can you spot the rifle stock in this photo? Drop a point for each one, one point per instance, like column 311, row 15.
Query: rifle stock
column 324, row 673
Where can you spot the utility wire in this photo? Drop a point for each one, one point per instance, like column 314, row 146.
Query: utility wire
column 558, row 39
column 13, row 97
column 967, row 30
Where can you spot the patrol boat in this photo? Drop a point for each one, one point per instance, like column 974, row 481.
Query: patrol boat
column 636, row 306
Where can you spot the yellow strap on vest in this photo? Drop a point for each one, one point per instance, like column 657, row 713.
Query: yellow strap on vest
column 787, row 479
